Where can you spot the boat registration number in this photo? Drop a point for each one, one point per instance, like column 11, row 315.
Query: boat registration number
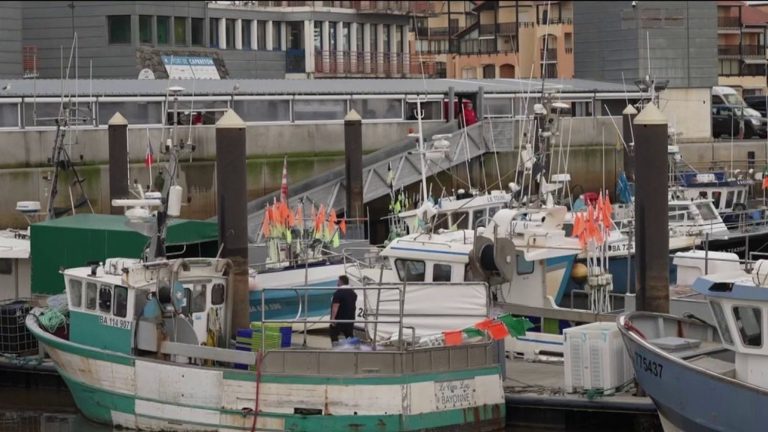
column 114, row 322
column 648, row 366
column 454, row 394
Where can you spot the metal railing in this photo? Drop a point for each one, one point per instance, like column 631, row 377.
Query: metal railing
column 549, row 54
column 753, row 50
column 478, row 46
column 728, row 49
column 728, row 21
column 488, row 29
column 506, row 28
column 373, row 63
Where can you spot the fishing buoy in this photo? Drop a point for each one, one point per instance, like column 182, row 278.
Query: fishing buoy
column 579, row 272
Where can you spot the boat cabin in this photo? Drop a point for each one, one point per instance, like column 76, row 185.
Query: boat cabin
column 462, row 211
column 740, row 310
column 726, row 195
column 123, row 304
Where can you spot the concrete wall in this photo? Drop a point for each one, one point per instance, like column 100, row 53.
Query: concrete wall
column 688, row 110
column 255, row 64
column 610, row 39
column 30, row 148
column 10, row 39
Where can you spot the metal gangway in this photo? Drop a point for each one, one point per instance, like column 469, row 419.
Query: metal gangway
column 445, row 147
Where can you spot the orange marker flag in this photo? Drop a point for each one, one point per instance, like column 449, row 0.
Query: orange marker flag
column 453, row 337
column 331, row 219
column 300, row 216
column 320, row 218
column 343, row 226
column 607, row 212
column 265, row 223
column 578, row 225
column 600, row 206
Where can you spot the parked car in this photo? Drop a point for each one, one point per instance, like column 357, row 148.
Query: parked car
column 757, row 103
column 726, row 120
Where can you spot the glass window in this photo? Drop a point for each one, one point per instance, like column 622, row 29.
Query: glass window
column 716, row 198
column 497, row 107
column 345, row 36
column 460, row 220
column 378, row 108
column 90, row 295
column 722, row 325
column 261, row 35
column 677, row 213
column 749, row 323
column 318, row 38
column 706, row 211
column 410, row 270
column 121, row 302
column 441, row 273
column 213, row 35
column 276, row 39
column 492, row 211
column 105, row 298
column 145, row 29
column 6, row 266
column 75, row 293
column 41, row 114
column 246, row 34
column 119, row 29
column 180, row 30
column 524, row 267
column 198, row 298
column 263, row 110
column 9, row 115
column 729, row 200
column 230, row 33
column 307, row 110
column 332, row 36
column 432, row 110
column 197, row 31
column 163, row 30
column 217, row 294
column 477, row 218
column 135, row 112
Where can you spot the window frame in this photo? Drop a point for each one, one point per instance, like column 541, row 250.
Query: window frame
column 111, row 26
column 404, row 270
column 72, row 284
column 115, row 304
column 151, row 30
column 521, row 259
column 435, row 272
column 218, row 298
column 168, row 29
column 91, row 296
column 743, row 337
column 101, row 304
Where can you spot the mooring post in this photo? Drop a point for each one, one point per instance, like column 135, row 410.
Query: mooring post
column 651, row 211
column 353, row 164
column 231, row 201
column 451, row 105
column 117, row 135
column 628, row 135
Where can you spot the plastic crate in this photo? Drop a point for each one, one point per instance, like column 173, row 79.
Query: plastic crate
column 271, row 336
column 595, row 358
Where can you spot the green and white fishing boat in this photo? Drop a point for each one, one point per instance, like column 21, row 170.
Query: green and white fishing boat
column 149, row 345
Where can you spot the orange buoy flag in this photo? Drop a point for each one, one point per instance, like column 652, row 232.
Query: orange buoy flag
column 343, row 226
column 265, row 224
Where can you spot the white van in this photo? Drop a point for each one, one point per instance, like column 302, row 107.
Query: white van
column 722, row 95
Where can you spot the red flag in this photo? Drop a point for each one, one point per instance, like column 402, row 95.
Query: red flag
column 453, row 337
column 300, row 216
column 284, row 182
column 331, row 219
column 149, row 157
column 607, row 212
column 498, row 330
column 265, row 223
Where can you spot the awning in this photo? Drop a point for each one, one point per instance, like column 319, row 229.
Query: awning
column 755, row 61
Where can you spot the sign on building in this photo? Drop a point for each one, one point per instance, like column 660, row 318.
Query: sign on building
column 190, row 67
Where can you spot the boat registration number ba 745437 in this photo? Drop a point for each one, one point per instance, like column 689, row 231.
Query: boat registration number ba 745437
column 648, row 366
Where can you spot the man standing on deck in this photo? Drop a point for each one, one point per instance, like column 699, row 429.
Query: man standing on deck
column 343, row 308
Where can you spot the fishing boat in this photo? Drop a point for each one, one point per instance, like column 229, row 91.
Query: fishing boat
column 681, row 363
column 148, row 346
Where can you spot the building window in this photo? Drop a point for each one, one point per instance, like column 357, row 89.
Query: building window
column 213, row 33
column 136, row 112
column 163, row 30
column 261, row 35
column 331, row 36
column 9, row 115
column 260, row 110
column 217, row 294
column 432, row 110
column 119, row 29
column 230, row 32
column 277, row 40
column 387, row 37
column 469, row 73
column 145, row 29
column 246, row 34
column 379, row 108
column 489, row 71
column 197, row 31
column 314, row 110
column 180, row 31
column 345, row 37
column 317, row 32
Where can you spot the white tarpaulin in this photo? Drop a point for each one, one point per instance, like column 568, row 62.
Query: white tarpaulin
column 430, row 308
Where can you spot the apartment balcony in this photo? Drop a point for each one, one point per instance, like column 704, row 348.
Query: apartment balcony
column 487, row 29
column 549, row 55
column 506, row 28
column 728, row 22
column 442, row 32
column 376, row 64
column 549, row 70
column 478, row 46
column 554, row 21
column 753, row 50
column 728, row 50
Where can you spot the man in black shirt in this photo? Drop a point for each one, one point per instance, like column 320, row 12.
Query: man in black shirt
column 343, row 308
